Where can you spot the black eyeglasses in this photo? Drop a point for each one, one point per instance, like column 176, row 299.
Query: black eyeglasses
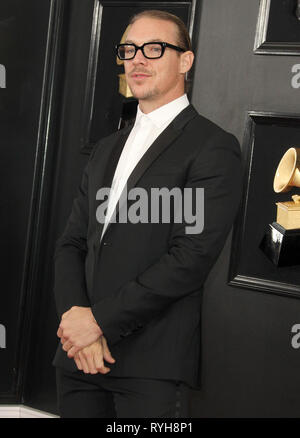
column 153, row 50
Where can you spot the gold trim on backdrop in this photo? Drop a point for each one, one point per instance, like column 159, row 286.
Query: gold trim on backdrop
column 123, row 86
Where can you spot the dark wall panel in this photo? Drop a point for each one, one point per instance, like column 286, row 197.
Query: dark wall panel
column 23, row 32
column 249, row 367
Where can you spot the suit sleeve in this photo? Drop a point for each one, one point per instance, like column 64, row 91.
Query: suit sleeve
column 184, row 268
column 70, row 253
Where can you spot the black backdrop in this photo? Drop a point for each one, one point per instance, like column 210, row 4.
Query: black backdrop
column 249, row 367
column 23, row 40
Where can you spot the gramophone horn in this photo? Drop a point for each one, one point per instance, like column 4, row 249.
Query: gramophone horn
column 288, row 171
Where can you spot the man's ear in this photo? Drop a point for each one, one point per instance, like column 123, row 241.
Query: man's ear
column 186, row 62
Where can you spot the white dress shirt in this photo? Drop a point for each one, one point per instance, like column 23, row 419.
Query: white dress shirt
column 146, row 129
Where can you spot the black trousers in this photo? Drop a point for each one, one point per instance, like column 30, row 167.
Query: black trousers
column 83, row 395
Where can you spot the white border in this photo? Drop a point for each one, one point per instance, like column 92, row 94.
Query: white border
column 21, row 411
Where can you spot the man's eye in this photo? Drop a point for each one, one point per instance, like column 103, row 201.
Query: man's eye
column 155, row 49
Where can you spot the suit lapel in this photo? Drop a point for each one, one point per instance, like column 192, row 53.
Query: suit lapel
column 163, row 141
column 116, row 150
column 115, row 156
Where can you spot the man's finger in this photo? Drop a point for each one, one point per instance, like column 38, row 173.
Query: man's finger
column 84, row 364
column 99, row 364
column 106, row 353
column 65, row 314
column 90, row 361
column 59, row 332
column 73, row 350
column 78, row 362
column 67, row 346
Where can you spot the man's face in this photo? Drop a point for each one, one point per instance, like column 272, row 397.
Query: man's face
column 154, row 79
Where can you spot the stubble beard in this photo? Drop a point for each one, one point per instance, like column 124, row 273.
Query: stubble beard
column 148, row 94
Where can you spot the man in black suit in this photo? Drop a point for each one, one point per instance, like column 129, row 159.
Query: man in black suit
column 129, row 291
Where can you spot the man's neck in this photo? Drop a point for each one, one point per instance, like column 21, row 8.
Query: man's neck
column 147, row 106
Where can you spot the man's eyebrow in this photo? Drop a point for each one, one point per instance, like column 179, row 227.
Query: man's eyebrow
column 153, row 40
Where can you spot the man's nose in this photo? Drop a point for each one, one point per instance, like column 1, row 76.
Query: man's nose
column 139, row 57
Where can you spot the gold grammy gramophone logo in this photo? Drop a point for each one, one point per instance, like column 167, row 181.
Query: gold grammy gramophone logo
column 287, row 176
column 123, row 86
column 281, row 242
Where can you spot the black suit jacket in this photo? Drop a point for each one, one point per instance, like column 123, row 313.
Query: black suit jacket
column 144, row 282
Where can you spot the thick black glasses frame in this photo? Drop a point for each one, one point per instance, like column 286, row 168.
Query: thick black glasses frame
column 162, row 44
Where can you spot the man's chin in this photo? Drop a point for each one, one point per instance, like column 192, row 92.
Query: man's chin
column 142, row 95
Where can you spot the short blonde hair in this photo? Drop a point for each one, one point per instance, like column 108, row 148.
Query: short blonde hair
column 183, row 38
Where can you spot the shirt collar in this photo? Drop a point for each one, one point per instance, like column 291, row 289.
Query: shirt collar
column 163, row 114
